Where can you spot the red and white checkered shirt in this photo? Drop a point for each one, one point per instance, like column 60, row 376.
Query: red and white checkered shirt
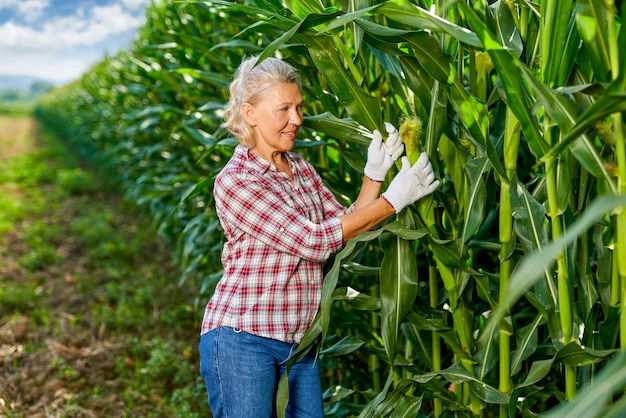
column 279, row 232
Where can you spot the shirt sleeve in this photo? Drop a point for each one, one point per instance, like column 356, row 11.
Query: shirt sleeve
column 247, row 206
column 332, row 208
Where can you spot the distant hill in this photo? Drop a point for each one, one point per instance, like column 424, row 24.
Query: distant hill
column 21, row 82
column 19, row 94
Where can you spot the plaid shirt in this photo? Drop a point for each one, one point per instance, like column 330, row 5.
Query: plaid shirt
column 279, row 232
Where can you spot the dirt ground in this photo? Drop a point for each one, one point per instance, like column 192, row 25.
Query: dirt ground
column 16, row 135
column 31, row 381
column 53, row 353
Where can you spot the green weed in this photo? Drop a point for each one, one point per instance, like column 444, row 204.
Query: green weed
column 75, row 181
column 19, row 296
column 11, row 211
column 27, row 170
column 172, row 364
column 39, row 258
column 42, row 239
column 92, row 228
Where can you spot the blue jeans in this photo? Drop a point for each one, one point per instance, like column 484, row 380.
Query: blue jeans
column 241, row 372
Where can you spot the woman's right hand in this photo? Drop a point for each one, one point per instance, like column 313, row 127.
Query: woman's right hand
column 381, row 155
column 411, row 183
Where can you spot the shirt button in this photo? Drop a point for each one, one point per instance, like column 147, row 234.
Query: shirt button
column 282, row 229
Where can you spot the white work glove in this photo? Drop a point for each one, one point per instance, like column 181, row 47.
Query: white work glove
column 381, row 155
column 411, row 183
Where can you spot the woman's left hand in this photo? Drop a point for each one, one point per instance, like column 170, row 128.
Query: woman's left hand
column 381, row 155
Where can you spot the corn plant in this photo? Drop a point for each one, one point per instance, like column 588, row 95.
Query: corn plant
column 499, row 295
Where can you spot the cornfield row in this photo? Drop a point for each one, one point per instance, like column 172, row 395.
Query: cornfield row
column 503, row 294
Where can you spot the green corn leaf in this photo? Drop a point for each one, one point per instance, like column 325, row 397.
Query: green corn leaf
column 397, row 403
column 506, row 30
column 398, row 287
column 534, row 265
column 538, row 370
column 474, row 116
column 454, row 159
column 457, row 374
column 611, row 102
column 609, row 328
column 347, row 345
column 302, row 9
column 447, row 251
column 570, row 52
column 217, row 79
column 476, row 197
column 573, row 354
column 563, row 112
column 555, row 18
column 527, row 339
column 415, row 16
column 245, row 9
column 508, row 71
column 359, row 269
column 356, row 300
column 196, row 189
column 347, row 18
column 447, row 276
column 427, row 324
column 308, row 21
column 591, row 21
column 592, row 400
column 531, row 228
column 236, row 43
column 337, row 393
column 487, row 357
column 274, row 5
column 430, row 56
column 344, row 129
column 420, row 84
column 437, row 124
column 615, row 410
column 407, row 407
column 369, row 409
column 199, row 135
column 402, row 12
column 361, row 106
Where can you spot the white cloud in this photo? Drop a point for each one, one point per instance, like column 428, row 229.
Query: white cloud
column 135, row 4
column 82, row 28
column 61, row 48
column 30, row 10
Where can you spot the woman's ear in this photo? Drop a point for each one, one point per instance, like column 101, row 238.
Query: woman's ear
column 248, row 113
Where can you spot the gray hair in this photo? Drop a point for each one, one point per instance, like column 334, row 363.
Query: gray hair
column 249, row 82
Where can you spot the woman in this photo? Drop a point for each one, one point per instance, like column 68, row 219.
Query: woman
column 281, row 225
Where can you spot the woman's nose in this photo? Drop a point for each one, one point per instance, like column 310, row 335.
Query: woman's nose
column 295, row 117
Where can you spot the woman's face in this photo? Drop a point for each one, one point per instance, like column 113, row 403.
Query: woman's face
column 276, row 118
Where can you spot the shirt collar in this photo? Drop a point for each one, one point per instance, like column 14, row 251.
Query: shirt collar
column 254, row 161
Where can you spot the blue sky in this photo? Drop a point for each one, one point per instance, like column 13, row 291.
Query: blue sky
column 58, row 40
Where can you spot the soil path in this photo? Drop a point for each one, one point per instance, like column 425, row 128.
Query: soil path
column 59, row 353
column 17, row 135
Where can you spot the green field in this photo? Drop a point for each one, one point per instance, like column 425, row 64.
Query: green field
column 92, row 321
column 17, row 101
